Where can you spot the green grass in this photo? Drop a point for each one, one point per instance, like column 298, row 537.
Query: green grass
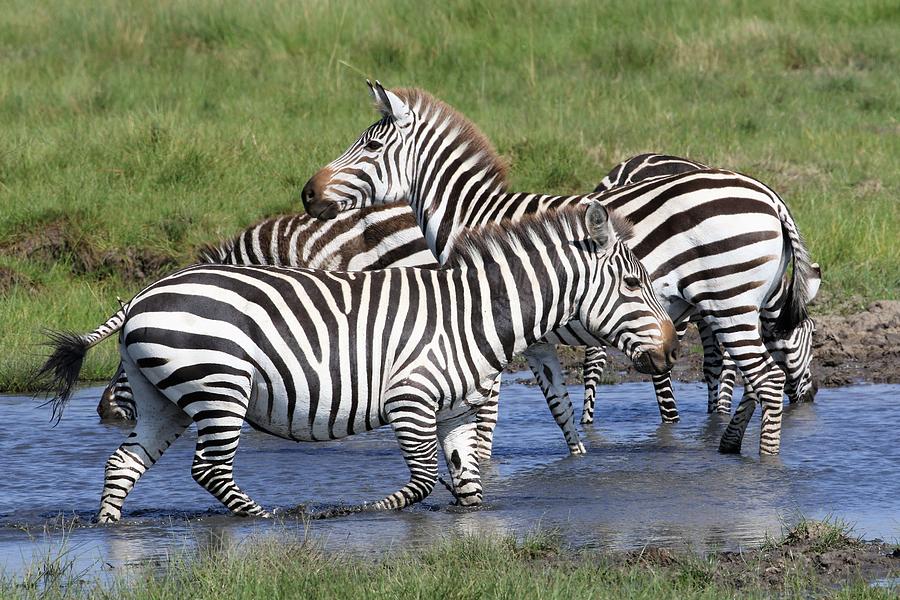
column 463, row 567
column 154, row 127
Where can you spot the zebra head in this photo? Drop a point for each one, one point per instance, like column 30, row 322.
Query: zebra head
column 620, row 305
column 794, row 355
column 373, row 170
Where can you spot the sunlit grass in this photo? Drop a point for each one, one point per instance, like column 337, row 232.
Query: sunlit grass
column 157, row 127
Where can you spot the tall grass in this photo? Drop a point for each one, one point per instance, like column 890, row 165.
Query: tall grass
column 160, row 126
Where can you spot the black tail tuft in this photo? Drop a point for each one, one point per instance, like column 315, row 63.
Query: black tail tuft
column 58, row 375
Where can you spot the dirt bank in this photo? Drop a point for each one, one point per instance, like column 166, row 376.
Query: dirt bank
column 819, row 555
column 859, row 347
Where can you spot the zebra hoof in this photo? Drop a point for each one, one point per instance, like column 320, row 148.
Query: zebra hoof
column 578, row 450
column 586, row 420
column 670, row 420
column 729, row 448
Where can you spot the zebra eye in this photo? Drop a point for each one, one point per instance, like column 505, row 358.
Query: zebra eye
column 632, row 282
column 373, row 145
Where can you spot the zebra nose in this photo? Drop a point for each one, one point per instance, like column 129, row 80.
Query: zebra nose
column 672, row 356
column 308, row 195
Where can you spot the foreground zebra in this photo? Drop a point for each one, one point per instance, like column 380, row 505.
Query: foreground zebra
column 315, row 355
column 793, row 353
column 716, row 243
column 371, row 238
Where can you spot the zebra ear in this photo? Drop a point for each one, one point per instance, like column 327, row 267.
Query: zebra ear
column 390, row 104
column 598, row 225
column 815, row 280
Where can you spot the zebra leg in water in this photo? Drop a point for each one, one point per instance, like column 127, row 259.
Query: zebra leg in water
column 159, row 423
column 544, row 363
column 662, row 385
column 486, row 422
column 416, row 431
column 594, row 363
column 458, row 440
column 764, row 383
column 718, row 371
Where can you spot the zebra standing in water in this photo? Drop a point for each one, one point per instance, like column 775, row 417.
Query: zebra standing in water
column 793, row 354
column 716, row 243
column 372, row 238
column 312, row 355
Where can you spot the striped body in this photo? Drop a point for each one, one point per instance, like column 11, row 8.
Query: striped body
column 793, row 353
column 717, row 244
column 314, row 355
column 371, row 238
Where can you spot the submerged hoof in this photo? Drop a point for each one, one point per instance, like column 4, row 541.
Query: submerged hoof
column 729, row 448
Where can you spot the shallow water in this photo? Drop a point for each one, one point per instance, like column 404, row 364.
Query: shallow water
column 641, row 482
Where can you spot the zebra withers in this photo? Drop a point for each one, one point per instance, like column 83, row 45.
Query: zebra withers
column 315, row 355
column 716, row 243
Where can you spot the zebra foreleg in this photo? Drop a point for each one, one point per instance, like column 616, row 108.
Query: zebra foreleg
column 718, row 371
column 486, row 422
column 159, row 424
column 458, row 439
column 544, row 363
column 665, row 398
column 416, row 431
column 594, row 363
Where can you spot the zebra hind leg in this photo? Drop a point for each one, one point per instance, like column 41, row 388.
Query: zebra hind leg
column 458, row 440
column 764, row 383
column 159, row 424
column 594, row 363
column 544, row 363
column 416, row 431
column 726, row 386
column 486, row 422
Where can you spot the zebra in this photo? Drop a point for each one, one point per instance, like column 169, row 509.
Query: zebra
column 372, row 238
column 311, row 355
column 716, row 243
column 793, row 354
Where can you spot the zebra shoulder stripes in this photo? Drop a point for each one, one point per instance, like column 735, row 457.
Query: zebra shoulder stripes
column 314, row 355
column 716, row 243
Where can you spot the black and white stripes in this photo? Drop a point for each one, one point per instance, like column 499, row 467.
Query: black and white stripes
column 716, row 243
column 313, row 355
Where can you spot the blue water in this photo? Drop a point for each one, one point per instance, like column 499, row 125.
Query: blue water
column 641, row 482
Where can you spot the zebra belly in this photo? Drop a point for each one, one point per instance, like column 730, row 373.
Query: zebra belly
column 276, row 416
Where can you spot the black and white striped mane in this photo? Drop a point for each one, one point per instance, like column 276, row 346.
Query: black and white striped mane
column 427, row 107
column 482, row 244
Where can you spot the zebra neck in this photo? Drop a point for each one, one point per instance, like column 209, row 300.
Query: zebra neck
column 525, row 300
column 445, row 220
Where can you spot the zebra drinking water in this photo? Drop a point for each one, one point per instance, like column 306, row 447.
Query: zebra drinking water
column 312, row 355
column 716, row 243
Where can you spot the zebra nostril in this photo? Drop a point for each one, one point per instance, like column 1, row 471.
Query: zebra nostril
column 673, row 355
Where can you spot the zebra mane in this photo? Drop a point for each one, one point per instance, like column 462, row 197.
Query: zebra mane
column 479, row 244
column 215, row 253
column 435, row 110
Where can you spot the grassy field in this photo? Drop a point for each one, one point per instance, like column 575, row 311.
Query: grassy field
column 455, row 568
column 131, row 132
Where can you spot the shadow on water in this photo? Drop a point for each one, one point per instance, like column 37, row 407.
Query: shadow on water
column 640, row 483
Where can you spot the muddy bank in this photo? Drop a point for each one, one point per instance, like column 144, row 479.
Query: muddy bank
column 853, row 348
column 823, row 555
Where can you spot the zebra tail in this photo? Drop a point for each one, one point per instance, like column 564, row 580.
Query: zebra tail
column 59, row 373
column 801, row 289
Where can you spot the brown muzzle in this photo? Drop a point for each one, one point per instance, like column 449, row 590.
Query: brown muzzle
column 311, row 197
